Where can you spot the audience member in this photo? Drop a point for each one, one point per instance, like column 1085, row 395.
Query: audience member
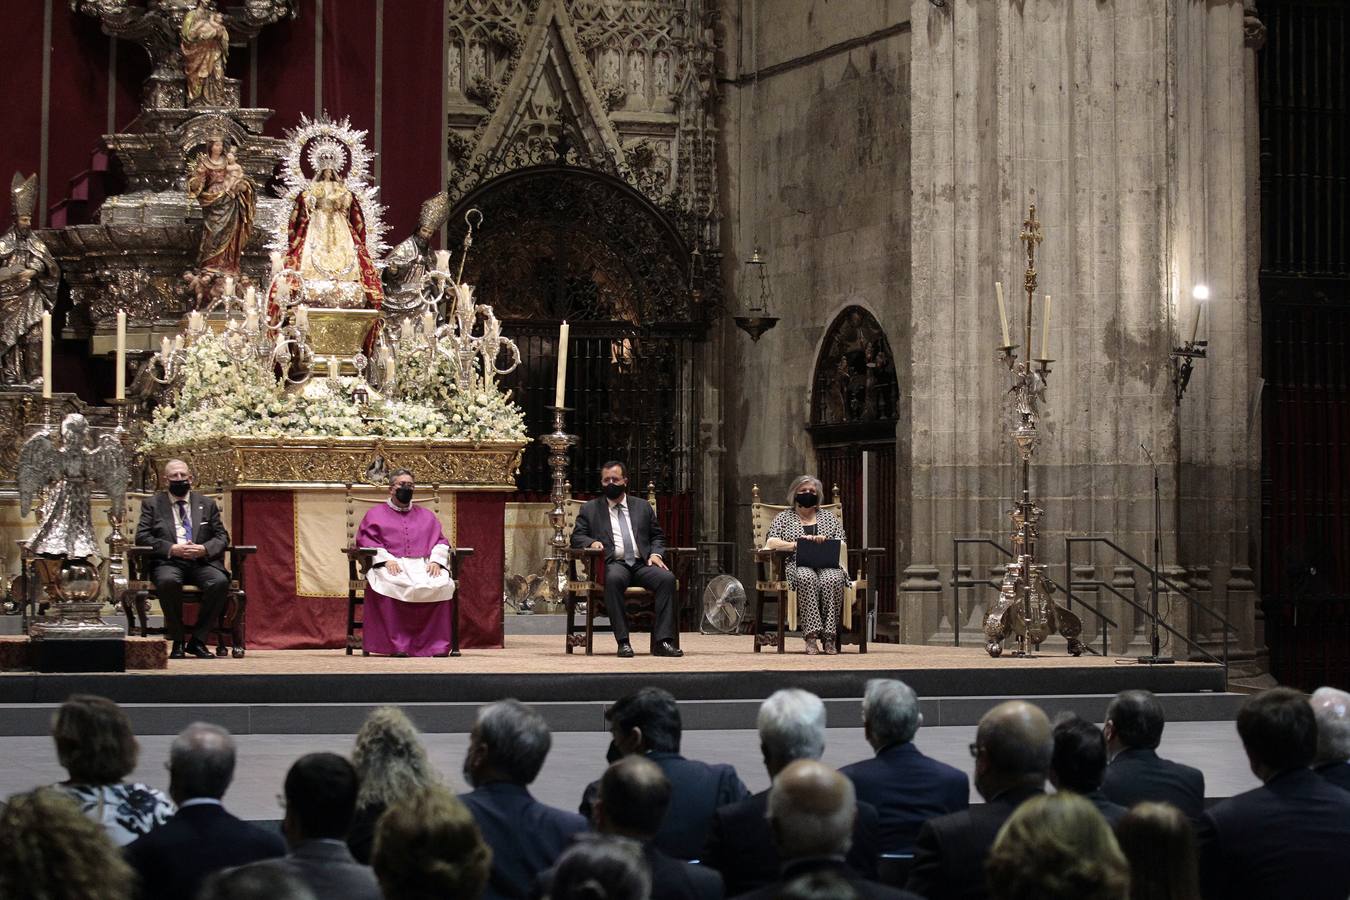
column 1159, row 843
column 391, row 764
column 647, row 722
column 50, row 850
column 633, row 798
column 819, row 886
column 97, row 748
column 258, row 882
column 740, row 844
column 427, row 847
column 1079, row 763
column 506, row 751
column 1134, row 727
column 811, row 812
column 1331, row 707
column 1285, row 838
column 320, row 793
column 906, row 787
column 174, row 859
column 1057, row 848
column 1012, row 750
column 601, row 867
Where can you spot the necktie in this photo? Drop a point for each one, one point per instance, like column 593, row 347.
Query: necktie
column 629, row 548
column 187, row 522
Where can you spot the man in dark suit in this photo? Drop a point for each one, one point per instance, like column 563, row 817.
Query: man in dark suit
column 811, row 813
column 647, row 723
column 189, row 540
column 1012, row 752
column 1331, row 707
column 507, row 748
column 625, row 527
column 201, row 838
column 1079, row 762
column 906, row 787
column 320, row 795
column 1133, row 730
column 1288, row 837
column 740, row 843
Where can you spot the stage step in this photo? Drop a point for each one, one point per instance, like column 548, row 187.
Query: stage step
column 34, row 719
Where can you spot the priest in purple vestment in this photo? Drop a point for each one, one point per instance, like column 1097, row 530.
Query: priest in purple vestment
column 408, row 589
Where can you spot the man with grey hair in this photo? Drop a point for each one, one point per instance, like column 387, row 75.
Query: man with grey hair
column 811, row 811
column 174, row 859
column 1331, row 708
column 507, row 748
column 1012, row 750
column 740, row 844
column 906, row 787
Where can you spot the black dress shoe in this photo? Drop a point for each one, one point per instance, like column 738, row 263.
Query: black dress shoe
column 625, row 651
column 199, row 650
column 666, row 648
column 176, row 652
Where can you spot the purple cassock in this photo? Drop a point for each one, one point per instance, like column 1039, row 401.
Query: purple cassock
column 407, row 613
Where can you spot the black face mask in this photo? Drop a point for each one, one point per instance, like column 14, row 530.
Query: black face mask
column 403, row 495
column 806, row 500
column 614, row 491
column 613, row 754
column 179, row 488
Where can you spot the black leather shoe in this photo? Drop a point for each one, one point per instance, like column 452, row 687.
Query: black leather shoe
column 199, row 650
column 666, row 648
column 625, row 651
column 176, row 652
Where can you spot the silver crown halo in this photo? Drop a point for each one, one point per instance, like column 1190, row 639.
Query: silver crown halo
column 326, row 153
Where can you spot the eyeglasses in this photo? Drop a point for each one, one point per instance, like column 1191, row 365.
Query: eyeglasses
column 974, row 750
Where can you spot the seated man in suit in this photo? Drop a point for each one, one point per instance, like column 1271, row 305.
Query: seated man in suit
column 1288, row 837
column 811, row 813
column 320, row 793
column 507, row 748
column 740, row 845
column 647, row 723
column 174, row 859
column 1331, row 707
column 625, row 527
column 1079, row 762
column 1133, row 730
column 1012, row 751
column 906, row 787
column 189, row 540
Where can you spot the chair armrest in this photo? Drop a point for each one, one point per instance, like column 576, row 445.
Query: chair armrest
column 763, row 554
column 461, row 551
column 358, row 552
column 590, row 557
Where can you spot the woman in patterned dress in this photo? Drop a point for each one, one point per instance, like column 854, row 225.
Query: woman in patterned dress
column 820, row 592
column 95, row 745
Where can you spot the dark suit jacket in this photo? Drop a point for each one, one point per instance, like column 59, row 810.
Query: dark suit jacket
column 174, row 859
column 1338, row 773
column 672, row 879
column 741, row 847
column 1111, row 812
column 1287, row 838
column 1138, row 775
column 908, row 789
column 156, row 529
column 329, row 870
column 526, row 836
column 593, row 525
column 867, row 890
column 950, row 851
column 697, row 789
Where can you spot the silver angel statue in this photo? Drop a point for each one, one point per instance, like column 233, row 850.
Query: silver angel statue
column 76, row 466
column 406, row 265
column 29, row 277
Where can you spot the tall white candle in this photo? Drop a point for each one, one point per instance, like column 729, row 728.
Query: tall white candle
column 1195, row 327
column 46, row 356
column 251, row 296
column 1045, row 330
column 229, row 285
column 559, row 388
column 121, row 356
column 405, row 331
column 302, row 317
column 1002, row 313
column 334, row 368
column 443, row 261
column 276, row 262
column 165, row 349
column 177, row 342
column 251, row 319
column 428, row 323
column 388, row 368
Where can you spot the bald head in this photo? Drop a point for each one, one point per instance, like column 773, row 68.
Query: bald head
column 811, row 810
column 1014, row 745
column 633, row 799
column 201, row 762
column 1331, row 708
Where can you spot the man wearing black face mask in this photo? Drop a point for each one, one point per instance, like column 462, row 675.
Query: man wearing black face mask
column 189, row 542
column 626, row 529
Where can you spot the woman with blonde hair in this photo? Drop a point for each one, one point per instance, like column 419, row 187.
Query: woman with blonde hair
column 820, row 592
column 51, row 851
column 427, row 845
column 1057, row 847
column 392, row 763
column 1159, row 842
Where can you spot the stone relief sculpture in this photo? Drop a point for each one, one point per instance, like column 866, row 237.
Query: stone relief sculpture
column 205, row 44
column 229, row 206
column 637, row 76
column 29, row 277
column 452, row 63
